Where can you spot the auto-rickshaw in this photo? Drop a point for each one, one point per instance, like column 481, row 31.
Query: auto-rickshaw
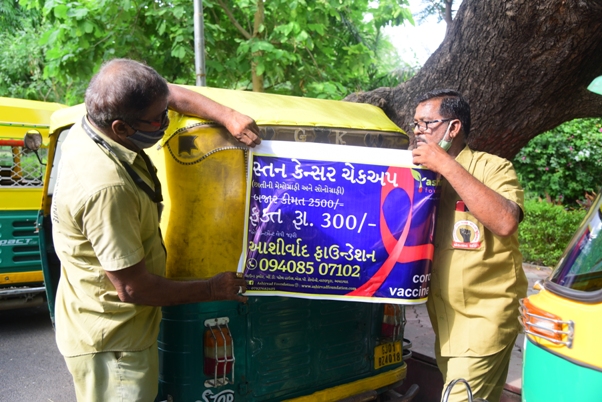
column 23, row 134
column 562, row 358
column 271, row 348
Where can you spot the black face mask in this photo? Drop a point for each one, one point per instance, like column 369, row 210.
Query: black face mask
column 146, row 139
column 155, row 195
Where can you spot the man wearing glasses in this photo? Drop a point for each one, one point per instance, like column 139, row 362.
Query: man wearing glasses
column 477, row 277
column 105, row 215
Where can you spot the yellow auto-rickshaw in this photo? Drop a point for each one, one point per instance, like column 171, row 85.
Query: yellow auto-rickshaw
column 563, row 354
column 23, row 138
column 272, row 348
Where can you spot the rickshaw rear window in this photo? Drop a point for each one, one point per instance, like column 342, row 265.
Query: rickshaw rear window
column 580, row 268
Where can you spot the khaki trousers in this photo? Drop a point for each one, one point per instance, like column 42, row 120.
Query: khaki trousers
column 116, row 376
column 485, row 374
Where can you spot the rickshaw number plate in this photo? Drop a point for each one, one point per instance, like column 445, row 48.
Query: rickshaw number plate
column 387, row 354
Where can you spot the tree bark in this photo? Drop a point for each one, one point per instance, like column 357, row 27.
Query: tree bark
column 524, row 66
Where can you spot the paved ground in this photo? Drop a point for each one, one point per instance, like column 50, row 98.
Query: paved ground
column 31, row 367
column 420, row 332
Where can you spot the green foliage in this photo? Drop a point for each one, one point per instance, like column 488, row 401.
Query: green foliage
column 563, row 164
column 316, row 48
column 11, row 15
column 24, row 59
column 546, row 231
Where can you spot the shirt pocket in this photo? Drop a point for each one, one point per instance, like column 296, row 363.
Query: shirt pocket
column 467, row 232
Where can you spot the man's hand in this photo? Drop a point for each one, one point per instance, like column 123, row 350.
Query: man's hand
column 430, row 155
column 191, row 103
column 243, row 128
column 495, row 212
column 228, row 286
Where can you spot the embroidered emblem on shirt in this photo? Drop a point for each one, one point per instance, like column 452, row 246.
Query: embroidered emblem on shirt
column 466, row 235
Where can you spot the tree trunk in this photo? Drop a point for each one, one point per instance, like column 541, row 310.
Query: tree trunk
column 524, row 66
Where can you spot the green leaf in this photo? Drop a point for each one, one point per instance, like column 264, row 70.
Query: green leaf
column 319, row 28
column 178, row 52
column 261, row 45
column 77, row 13
column 302, row 36
column 88, row 27
column 60, row 11
column 48, row 37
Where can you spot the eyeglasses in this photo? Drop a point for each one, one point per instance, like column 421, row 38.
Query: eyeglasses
column 424, row 125
column 159, row 124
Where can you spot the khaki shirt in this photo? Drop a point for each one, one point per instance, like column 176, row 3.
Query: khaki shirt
column 102, row 222
column 477, row 277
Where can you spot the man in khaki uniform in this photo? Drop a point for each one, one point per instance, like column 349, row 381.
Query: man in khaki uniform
column 477, row 276
column 105, row 215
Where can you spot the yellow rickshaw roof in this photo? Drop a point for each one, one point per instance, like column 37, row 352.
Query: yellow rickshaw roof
column 66, row 117
column 19, row 115
column 271, row 109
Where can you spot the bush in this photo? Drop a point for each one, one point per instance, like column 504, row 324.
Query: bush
column 546, row 231
column 563, row 165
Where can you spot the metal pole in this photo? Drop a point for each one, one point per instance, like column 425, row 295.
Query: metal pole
column 199, row 43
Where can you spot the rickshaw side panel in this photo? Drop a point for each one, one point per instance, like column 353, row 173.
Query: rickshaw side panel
column 284, row 347
column 20, row 256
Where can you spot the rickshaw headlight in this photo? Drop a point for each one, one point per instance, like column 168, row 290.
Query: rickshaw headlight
column 545, row 325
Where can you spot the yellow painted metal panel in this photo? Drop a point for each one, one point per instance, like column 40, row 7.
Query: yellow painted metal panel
column 21, row 278
column 357, row 387
column 203, row 215
column 20, row 198
column 17, row 116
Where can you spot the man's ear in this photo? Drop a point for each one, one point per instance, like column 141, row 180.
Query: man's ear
column 120, row 128
column 456, row 128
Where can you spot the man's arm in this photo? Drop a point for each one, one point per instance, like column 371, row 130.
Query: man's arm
column 136, row 285
column 191, row 103
column 498, row 214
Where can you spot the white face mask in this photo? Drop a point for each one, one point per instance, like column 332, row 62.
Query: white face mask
column 446, row 145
